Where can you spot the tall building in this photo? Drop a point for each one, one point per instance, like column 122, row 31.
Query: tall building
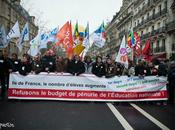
column 10, row 12
column 151, row 21
column 154, row 20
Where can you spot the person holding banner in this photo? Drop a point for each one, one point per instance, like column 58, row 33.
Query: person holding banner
column 48, row 62
column 75, row 66
column 98, row 67
column 25, row 67
column 88, row 64
column 140, row 69
column 110, row 68
column 119, row 68
column 37, row 65
column 171, row 83
column 59, row 64
column 14, row 63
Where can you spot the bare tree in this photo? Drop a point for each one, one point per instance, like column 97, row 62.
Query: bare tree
column 40, row 21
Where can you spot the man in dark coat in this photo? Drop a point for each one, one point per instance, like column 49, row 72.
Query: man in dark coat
column 75, row 66
column 25, row 67
column 2, row 74
column 140, row 69
column 171, row 81
column 37, row 65
column 110, row 68
column 48, row 62
column 14, row 63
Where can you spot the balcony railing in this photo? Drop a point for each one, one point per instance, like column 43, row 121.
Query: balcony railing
column 173, row 47
column 171, row 26
column 152, row 17
column 154, row 32
column 159, row 49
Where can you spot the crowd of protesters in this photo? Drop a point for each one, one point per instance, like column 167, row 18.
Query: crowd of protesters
column 106, row 67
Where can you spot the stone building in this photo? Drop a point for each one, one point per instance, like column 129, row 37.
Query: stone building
column 152, row 19
column 10, row 12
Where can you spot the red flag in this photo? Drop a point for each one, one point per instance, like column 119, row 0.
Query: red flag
column 137, row 47
column 64, row 37
column 146, row 51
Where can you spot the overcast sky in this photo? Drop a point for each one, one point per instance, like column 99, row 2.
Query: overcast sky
column 57, row 12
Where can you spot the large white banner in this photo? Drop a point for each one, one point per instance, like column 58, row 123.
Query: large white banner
column 86, row 87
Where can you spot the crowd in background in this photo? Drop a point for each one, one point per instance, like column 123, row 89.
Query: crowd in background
column 100, row 67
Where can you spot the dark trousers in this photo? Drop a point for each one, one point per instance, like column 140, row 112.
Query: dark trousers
column 171, row 91
column 3, row 88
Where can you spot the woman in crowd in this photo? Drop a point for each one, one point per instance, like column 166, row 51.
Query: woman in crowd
column 98, row 67
column 88, row 64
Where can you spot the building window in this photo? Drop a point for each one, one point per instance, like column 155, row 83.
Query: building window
column 147, row 15
column 173, row 47
column 152, row 28
column 163, row 45
column 158, row 25
column 157, row 46
column 165, row 4
column 160, row 8
column 141, row 33
column 154, row 12
column 142, row 19
column 164, row 22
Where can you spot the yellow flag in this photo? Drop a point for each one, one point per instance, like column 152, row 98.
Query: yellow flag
column 78, row 49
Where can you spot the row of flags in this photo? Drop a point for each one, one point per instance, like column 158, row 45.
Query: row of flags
column 75, row 42
column 133, row 43
column 14, row 33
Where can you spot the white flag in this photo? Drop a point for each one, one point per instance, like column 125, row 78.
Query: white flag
column 43, row 40
column 99, row 36
column 3, row 38
column 24, row 36
column 122, row 56
column 34, row 46
column 14, row 32
column 52, row 34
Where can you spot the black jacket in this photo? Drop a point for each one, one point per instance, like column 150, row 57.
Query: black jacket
column 98, row 69
column 2, row 66
column 140, row 70
column 25, row 68
column 110, row 70
column 37, row 67
column 171, row 76
column 15, row 65
column 162, row 69
column 75, row 67
column 49, row 64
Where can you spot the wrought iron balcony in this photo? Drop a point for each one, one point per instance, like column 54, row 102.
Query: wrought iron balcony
column 173, row 47
column 171, row 26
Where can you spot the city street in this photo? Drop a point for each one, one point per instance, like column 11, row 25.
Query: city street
column 59, row 115
column 87, row 65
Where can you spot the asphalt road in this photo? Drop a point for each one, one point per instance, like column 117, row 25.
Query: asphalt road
column 58, row 115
